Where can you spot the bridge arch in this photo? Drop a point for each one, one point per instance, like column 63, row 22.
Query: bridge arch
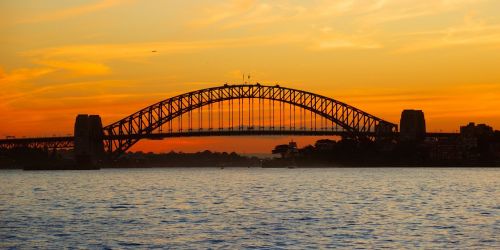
column 123, row 134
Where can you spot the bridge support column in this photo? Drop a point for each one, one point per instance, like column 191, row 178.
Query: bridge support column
column 89, row 146
column 412, row 126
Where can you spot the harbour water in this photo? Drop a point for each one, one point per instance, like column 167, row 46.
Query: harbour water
column 234, row 208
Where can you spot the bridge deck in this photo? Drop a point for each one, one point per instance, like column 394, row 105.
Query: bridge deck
column 67, row 141
column 37, row 139
column 38, row 142
column 216, row 132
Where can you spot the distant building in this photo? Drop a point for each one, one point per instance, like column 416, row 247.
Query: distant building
column 478, row 140
column 286, row 150
column 445, row 149
column 325, row 145
column 412, row 125
column 496, row 144
column 473, row 130
column 475, row 143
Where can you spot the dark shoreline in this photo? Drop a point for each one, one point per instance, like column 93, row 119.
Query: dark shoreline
column 152, row 166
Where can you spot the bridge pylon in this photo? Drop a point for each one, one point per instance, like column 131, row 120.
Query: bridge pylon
column 89, row 145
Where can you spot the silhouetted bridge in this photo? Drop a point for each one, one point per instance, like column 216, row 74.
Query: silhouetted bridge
column 228, row 110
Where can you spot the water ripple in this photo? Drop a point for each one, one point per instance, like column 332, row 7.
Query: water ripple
column 251, row 208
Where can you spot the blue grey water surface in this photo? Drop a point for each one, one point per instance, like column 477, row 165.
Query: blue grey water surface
column 253, row 208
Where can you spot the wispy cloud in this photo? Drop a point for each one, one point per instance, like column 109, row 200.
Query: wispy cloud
column 348, row 20
column 246, row 13
column 77, row 67
column 213, row 14
column 472, row 32
column 238, row 13
column 92, row 59
column 74, row 11
column 22, row 75
column 386, row 11
column 343, row 41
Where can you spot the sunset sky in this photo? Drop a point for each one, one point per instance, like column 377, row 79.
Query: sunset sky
column 61, row 58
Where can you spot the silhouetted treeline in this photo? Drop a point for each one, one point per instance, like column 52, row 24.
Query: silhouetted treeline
column 178, row 159
column 43, row 159
column 22, row 156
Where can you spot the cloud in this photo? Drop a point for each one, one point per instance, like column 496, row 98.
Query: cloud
column 70, row 63
column 16, row 83
column 344, row 43
column 72, row 94
column 92, row 59
column 22, row 75
column 238, row 13
column 266, row 13
column 78, row 67
column 244, row 13
column 328, row 39
column 397, row 10
column 74, row 11
column 213, row 14
column 103, row 52
column 349, row 17
column 471, row 32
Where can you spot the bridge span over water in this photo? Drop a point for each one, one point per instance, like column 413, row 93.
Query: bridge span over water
column 228, row 110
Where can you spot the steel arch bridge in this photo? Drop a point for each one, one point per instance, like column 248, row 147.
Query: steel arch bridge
column 232, row 110
column 228, row 110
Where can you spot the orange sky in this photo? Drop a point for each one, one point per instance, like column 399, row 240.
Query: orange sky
column 60, row 58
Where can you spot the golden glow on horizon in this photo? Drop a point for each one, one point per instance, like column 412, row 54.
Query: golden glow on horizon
column 60, row 58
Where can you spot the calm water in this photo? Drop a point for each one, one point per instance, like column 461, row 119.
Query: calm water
column 251, row 208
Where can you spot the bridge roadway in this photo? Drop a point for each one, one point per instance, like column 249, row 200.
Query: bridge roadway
column 39, row 142
column 66, row 142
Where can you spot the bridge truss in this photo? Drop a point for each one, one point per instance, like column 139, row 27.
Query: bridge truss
column 230, row 110
column 243, row 110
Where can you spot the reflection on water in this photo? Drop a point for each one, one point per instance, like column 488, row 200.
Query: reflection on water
column 251, row 208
